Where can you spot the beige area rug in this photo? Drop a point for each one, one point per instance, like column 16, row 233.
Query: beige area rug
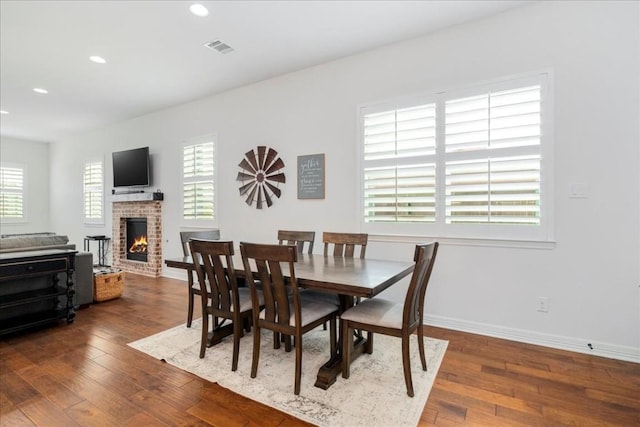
column 374, row 395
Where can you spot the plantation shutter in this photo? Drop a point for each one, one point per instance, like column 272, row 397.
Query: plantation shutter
column 492, row 152
column 11, row 192
column 93, row 195
column 198, row 184
column 399, row 165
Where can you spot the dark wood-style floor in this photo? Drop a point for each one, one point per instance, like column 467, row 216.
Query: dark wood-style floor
column 85, row 374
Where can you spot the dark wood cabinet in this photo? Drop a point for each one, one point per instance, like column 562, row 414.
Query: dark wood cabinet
column 30, row 289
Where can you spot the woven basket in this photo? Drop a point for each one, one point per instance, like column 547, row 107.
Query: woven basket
column 108, row 286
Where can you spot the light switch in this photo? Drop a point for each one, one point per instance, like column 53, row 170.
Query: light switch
column 578, row 190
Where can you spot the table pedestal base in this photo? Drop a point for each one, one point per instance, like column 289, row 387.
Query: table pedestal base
column 329, row 371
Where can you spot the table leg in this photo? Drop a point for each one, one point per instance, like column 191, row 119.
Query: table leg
column 328, row 372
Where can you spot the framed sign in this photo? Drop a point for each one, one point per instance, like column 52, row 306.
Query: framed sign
column 311, row 176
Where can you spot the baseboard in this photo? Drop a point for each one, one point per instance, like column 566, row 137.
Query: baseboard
column 602, row 349
column 597, row 348
column 172, row 273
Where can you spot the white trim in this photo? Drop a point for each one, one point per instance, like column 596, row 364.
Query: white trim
column 175, row 273
column 199, row 223
column 485, row 233
column 25, row 194
column 94, row 221
column 577, row 345
column 456, row 241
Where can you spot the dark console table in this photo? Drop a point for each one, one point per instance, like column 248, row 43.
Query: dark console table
column 30, row 290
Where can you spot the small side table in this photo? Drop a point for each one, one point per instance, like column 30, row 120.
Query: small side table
column 102, row 254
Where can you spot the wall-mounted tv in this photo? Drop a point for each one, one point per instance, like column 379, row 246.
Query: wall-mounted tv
column 131, row 168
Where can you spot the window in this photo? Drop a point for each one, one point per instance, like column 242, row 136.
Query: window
column 93, row 192
column 198, row 180
column 12, row 193
column 465, row 163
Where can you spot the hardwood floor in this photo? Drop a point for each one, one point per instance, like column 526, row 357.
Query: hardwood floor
column 85, row 374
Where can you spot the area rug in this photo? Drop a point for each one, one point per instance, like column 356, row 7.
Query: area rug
column 374, row 395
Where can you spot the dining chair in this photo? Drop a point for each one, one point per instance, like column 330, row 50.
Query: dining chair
column 284, row 311
column 378, row 315
column 221, row 297
column 194, row 288
column 298, row 238
column 344, row 244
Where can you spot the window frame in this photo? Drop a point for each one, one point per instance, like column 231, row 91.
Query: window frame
column 24, row 192
column 465, row 232
column 199, row 222
column 94, row 189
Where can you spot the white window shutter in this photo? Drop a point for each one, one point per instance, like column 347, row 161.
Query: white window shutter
column 198, row 181
column 11, row 192
column 399, row 168
column 93, row 191
column 493, row 157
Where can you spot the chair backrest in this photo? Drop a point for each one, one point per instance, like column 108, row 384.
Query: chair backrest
column 425, row 257
column 344, row 244
column 220, row 287
column 213, row 234
column 268, row 259
column 298, row 238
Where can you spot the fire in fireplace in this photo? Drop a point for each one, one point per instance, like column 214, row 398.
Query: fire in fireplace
column 136, row 239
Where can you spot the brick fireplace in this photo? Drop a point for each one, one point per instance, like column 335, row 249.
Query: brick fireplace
column 151, row 210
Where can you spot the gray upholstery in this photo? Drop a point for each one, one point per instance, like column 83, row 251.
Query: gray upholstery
column 376, row 311
column 33, row 242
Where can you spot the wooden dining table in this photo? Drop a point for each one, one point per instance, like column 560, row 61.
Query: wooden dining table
column 346, row 277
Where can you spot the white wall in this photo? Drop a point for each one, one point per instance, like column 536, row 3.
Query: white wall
column 34, row 156
column 590, row 274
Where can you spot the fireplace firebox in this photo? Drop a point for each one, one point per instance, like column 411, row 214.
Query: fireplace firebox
column 136, row 248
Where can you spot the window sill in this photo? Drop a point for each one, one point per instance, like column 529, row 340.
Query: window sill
column 457, row 241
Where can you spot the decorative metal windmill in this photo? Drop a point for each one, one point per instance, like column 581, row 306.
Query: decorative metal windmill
column 260, row 173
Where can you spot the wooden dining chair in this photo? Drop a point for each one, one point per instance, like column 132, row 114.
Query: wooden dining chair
column 298, row 238
column 344, row 244
column 220, row 295
column 194, row 288
column 378, row 315
column 284, row 311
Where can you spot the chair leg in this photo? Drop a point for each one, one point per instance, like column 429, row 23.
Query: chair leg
column 347, row 345
column 192, row 295
column 276, row 340
column 423, row 359
column 237, row 332
column 256, row 349
column 246, row 322
column 406, row 364
column 296, row 387
column 205, row 334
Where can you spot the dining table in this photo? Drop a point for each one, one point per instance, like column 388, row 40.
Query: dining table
column 348, row 278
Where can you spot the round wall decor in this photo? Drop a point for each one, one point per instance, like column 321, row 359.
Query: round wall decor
column 259, row 176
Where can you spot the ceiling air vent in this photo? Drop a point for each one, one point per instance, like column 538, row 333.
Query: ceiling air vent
column 219, row 46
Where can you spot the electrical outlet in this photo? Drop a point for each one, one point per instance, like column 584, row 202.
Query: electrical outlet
column 543, row 304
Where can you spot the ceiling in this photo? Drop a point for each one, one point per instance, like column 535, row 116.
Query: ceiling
column 156, row 56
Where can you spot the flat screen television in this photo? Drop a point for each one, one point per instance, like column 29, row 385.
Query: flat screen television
column 131, row 168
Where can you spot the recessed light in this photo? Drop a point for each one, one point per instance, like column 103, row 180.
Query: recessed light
column 4, row 112
column 40, row 90
column 98, row 59
column 198, row 9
